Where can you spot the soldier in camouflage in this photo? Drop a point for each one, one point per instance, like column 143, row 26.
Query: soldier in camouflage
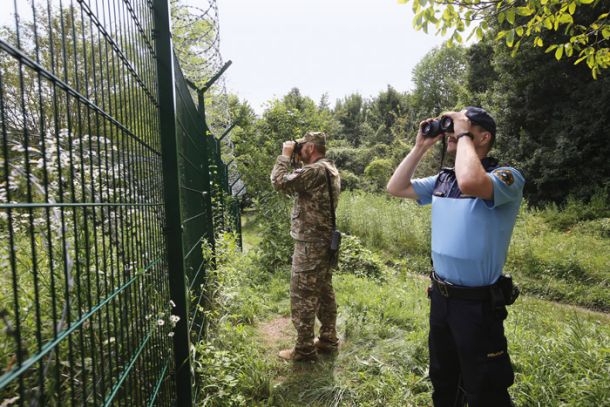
column 311, row 290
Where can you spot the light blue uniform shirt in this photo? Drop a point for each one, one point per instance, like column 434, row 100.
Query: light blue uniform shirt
column 470, row 236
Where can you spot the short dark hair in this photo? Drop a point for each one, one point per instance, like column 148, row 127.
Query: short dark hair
column 493, row 136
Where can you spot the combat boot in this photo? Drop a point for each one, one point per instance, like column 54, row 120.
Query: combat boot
column 291, row 354
column 326, row 347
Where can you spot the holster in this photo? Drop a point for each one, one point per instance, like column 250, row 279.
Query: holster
column 510, row 291
column 335, row 244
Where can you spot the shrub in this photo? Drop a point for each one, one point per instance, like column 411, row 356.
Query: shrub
column 349, row 180
column 575, row 211
column 397, row 226
column 275, row 248
column 231, row 369
column 354, row 258
column 378, row 172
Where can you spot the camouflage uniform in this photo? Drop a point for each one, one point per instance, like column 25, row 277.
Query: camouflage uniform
column 311, row 291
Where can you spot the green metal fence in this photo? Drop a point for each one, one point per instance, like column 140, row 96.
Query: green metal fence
column 107, row 200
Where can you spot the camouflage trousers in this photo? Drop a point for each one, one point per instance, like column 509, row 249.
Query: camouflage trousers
column 311, row 295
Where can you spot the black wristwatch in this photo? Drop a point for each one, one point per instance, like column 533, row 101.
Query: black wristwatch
column 466, row 133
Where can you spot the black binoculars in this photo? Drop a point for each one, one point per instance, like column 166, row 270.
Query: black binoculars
column 437, row 126
column 295, row 153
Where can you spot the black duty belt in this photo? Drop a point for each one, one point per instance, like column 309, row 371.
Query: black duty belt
column 460, row 292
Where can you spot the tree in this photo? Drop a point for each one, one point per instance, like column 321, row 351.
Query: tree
column 439, row 80
column 384, row 113
column 551, row 120
column 378, row 172
column 351, row 113
column 521, row 22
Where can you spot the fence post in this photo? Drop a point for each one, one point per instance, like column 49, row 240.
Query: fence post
column 171, row 190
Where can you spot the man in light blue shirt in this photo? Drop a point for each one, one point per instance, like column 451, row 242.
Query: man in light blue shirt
column 474, row 207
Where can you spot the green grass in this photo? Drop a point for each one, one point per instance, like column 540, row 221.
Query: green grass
column 554, row 254
column 560, row 353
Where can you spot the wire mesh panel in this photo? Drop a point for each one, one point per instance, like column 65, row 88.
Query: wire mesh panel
column 85, row 309
column 197, row 225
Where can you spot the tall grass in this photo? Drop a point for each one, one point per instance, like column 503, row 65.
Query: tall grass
column 558, row 254
column 399, row 227
column 559, row 353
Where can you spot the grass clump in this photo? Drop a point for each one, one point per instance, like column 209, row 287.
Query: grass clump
column 356, row 259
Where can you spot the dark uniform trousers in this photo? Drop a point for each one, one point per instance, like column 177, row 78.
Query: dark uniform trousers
column 312, row 294
column 469, row 361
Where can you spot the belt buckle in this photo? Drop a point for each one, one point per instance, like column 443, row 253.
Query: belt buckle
column 442, row 288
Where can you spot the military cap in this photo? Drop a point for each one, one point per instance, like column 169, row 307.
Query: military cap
column 316, row 137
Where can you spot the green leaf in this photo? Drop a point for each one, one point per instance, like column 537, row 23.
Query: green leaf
column 538, row 42
column 586, row 1
column 606, row 32
column 510, row 16
column 515, row 49
column 565, row 19
column 479, row 32
column 525, row 11
column 510, row 38
column 550, row 48
column 519, row 31
column 579, row 60
column 572, row 7
column 501, row 17
column 559, row 52
column 548, row 24
column 416, row 7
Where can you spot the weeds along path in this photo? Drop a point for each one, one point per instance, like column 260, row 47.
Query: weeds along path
column 560, row 352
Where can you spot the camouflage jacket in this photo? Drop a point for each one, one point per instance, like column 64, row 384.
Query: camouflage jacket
column 310, row 218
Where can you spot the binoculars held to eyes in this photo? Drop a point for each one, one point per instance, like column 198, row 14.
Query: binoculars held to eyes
column 437, row 126
column 295, row 153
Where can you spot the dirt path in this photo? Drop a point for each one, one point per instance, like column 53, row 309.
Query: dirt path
column 276, row 332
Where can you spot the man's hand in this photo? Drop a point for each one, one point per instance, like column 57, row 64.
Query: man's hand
column 461, row 123
column 288, row 148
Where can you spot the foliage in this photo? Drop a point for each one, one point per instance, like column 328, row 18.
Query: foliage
column 231, row 368
column 438, row 79
column 559, row 255
column 523, row 23
column 399, row 227
column 384, row 116
column 378, row 172
column 558, row 352
column 276, row 244
column 575, row 212
column 549, row 124
column 356, row 259
column 349, row 180
column 350, row 112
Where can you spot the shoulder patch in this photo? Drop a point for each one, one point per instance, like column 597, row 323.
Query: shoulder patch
column 505, row 176
column 291, row 176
